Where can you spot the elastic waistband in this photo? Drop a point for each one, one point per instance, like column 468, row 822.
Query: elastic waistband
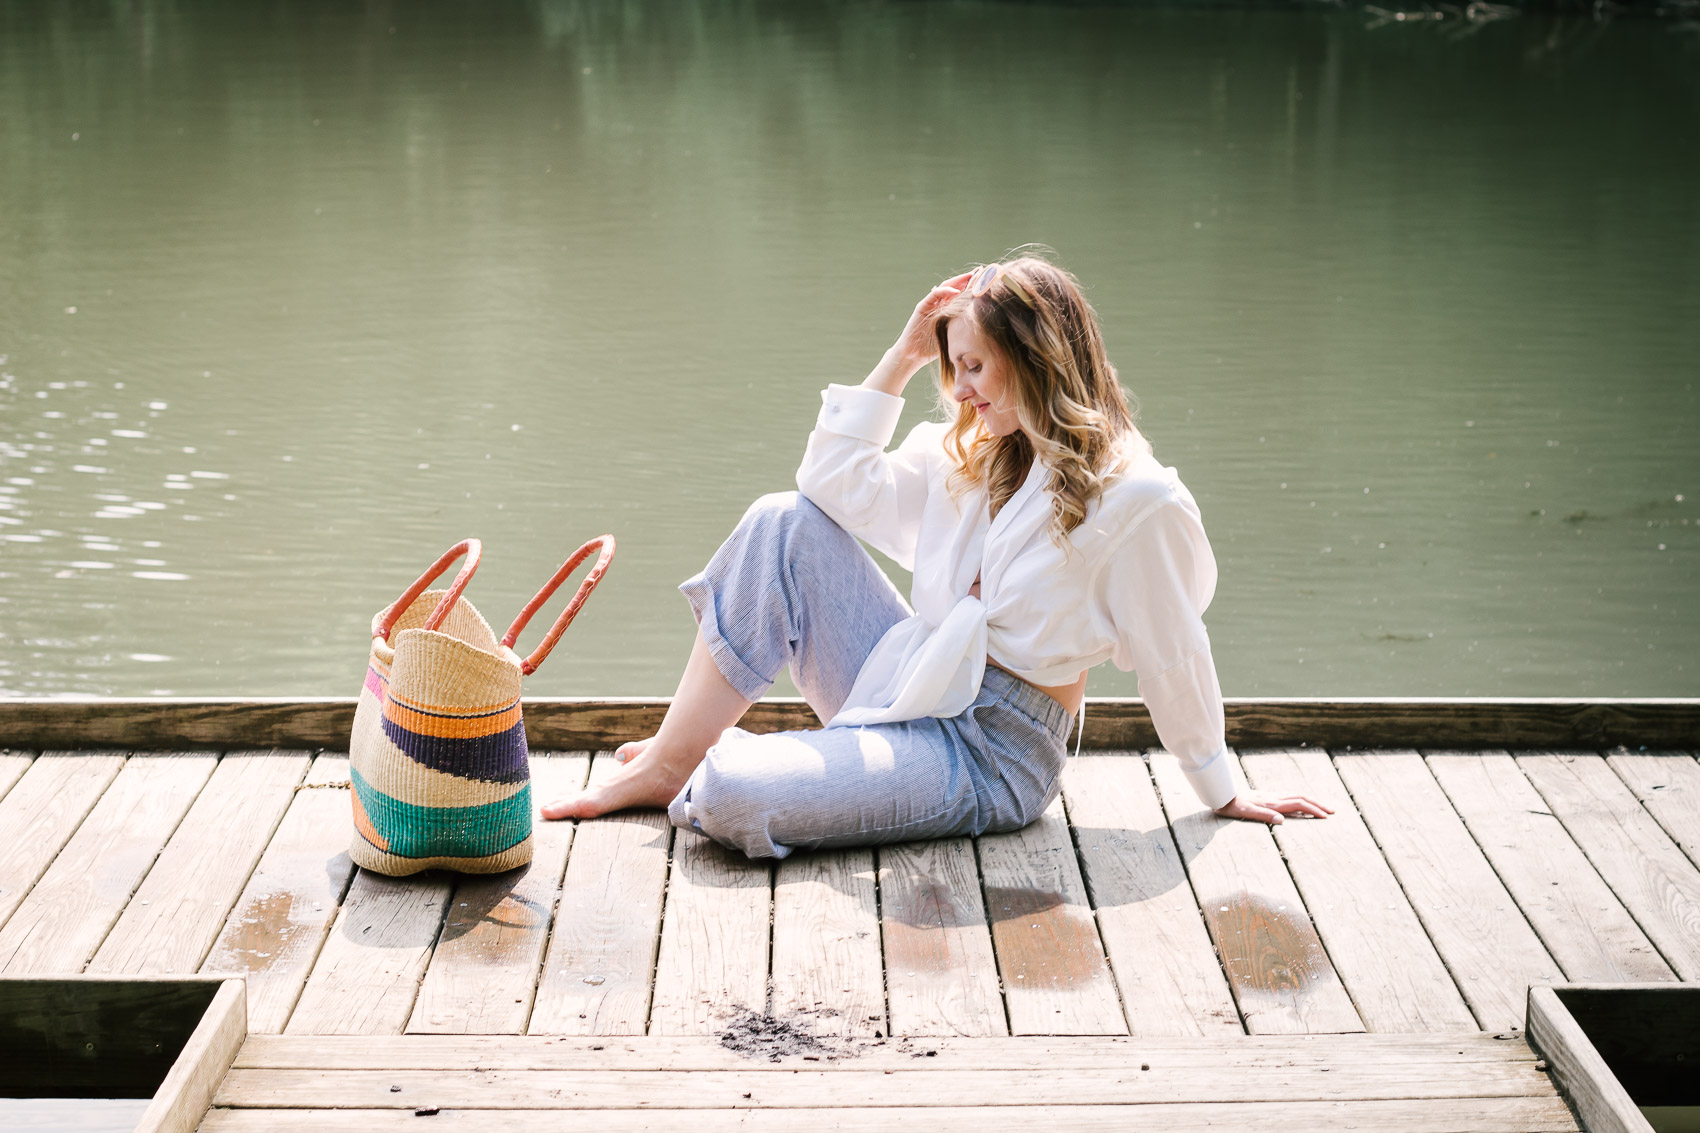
column 1018, row 694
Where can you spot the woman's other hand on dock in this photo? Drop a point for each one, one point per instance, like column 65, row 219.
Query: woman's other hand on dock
column 1271, row 808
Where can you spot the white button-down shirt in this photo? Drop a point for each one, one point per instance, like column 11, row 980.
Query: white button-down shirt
column 1132, row 587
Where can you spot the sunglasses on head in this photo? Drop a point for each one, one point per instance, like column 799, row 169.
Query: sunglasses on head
column 986, row 275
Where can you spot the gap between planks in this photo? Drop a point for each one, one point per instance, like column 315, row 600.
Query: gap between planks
column 1374, row 938
column 483, row 973
column 61, row 922
column 1582, row 923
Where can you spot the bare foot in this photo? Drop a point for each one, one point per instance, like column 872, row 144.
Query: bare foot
column 646, row 778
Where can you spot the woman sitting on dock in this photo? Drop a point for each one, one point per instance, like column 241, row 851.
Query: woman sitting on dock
column 1044, row 539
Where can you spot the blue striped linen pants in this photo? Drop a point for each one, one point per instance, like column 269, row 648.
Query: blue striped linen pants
column 789, row 587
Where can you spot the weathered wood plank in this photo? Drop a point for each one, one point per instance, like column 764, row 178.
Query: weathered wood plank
column 1114, row 723
column 178, row 911
column 13, row 764
column 483, row 973
column 1055, row 978
column 1657, row 884
column 826, row 943
column 682, row 1053
column 940, row 973
column 273, row 935
column 1473, row 1115
column 1588, row 1082
column 1171, row 982
column 61, row 923
column 847, row 1086
column 40, row 814
column 601, row 962
column 1582, row 923
column 1280, row 973
column 714, row 939
column 1649, row 1034
column 1668, row 785
column 1377, row 944
column 182, row 1099
column 1478, row 929
column 367, row 974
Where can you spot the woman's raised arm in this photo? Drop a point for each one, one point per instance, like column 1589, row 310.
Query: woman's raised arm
column 915, row 346
column 874, row 494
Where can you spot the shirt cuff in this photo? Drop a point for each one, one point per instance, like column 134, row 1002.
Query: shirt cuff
column 1214, row 782
column 855, row 411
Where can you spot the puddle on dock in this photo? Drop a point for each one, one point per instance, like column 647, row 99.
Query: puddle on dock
column 264, row 935
column 1267, row 947
column 1038, row 943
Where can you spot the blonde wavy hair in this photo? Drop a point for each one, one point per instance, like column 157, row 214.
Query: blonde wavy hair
column 1065, row 391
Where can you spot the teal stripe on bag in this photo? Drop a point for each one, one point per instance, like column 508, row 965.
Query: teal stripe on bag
column 446, row 831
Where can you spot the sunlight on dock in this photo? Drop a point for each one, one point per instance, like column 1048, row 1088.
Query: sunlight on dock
column 1130, row 959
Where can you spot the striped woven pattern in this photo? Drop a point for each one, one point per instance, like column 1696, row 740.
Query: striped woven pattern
column 437, row 760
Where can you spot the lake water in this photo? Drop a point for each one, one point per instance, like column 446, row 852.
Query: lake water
column 292, row 297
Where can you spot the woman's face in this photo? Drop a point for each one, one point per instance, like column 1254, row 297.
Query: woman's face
column 980, row 378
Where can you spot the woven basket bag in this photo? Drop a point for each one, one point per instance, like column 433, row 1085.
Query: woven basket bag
column 437, row 761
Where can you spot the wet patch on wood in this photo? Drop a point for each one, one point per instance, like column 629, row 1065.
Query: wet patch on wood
column 1038, row 942
column 1272, row 948
column 256, row 941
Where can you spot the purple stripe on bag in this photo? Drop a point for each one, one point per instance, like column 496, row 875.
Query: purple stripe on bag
column 496, row 758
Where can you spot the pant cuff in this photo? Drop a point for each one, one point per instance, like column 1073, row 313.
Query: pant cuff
column 748, row 683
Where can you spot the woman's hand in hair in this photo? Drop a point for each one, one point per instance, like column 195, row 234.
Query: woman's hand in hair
column 1259, row 807
column 916, row 346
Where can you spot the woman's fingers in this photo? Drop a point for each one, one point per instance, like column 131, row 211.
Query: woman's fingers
column 1301, row 804
column 950, row 288
column 1260, row 808
column 1293, row 804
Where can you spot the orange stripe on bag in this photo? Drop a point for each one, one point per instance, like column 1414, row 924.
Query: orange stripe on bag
column 444, row 724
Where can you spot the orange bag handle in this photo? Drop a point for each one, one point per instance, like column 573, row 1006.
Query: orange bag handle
column 473, row 549
column 529, row 665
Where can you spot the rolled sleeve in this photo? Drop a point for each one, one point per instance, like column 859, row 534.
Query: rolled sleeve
column 865, row 414
column 877, row 496
column 1214, row 783
column 1157, row 586
column 1185, row 703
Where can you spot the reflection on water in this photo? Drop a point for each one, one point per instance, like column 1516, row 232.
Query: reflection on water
column 292, row 298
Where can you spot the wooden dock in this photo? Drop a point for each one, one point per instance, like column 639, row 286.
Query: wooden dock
column 1128, row 961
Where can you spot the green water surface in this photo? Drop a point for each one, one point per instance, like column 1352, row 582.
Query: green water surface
column 293, row 296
